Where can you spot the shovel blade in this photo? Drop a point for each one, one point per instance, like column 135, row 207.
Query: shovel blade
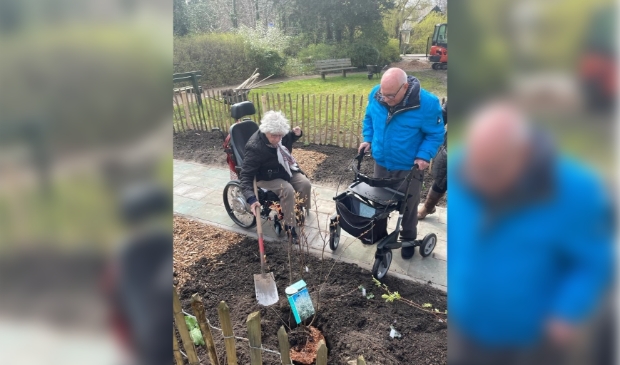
column 266, row 291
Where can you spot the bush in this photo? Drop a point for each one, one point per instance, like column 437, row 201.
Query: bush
column 267, row 62
column 321, row 51
column 363, row 54
column 227, row 58
column 390, row 52
column 295, row 67
column 221, row 57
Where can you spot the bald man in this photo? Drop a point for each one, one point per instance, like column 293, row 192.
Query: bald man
column 526, row 265
column 403, row 126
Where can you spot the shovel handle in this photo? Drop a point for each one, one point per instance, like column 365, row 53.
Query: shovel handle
column 259, row 229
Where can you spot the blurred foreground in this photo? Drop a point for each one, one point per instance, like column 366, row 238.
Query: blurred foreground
column 532, row 182
column 84, row 130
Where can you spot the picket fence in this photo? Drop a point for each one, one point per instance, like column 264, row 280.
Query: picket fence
column 253, row 340
column 325, row 119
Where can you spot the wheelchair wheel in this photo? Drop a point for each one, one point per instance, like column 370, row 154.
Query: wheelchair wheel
column 382, row 265
column 428, row 244
column 236, row 206
column 334, row 235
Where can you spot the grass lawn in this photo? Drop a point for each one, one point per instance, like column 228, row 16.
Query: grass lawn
column 355, row 83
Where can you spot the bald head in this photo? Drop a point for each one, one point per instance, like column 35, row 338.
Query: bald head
column 394, row 85
column 498, row 145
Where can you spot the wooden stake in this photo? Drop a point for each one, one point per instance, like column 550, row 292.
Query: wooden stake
column 179, row 319
column 347, row 122
column 284, row 346
column 253, row 323
column 280, row 104
column 338, row 127
column 327, row 116
column 320, row 131
column 303, row 122
column 331, row 141
column 199, row 312
column 178, row 358
column 321, row 354
column 314, row 115
column 229, row 339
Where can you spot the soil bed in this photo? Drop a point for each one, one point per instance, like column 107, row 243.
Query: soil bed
column 324, row 165
column 352, row 325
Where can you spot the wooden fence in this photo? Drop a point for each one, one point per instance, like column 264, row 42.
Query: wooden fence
column 325, row 119
column 254, row 337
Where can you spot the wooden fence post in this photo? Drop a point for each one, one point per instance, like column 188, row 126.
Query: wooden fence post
column 331, row 140
column 181, row 116
column 284, row 346
column 317, row 126
column 303, row 123
column 321, row 354
column 179, row 319
column 314, row 114
column 348, row 123
column 327, row 116
column 338, row 127
column 263, row 102
column 199, row 312
column 178, row 358
column 253, row 323
column 361, row 361
column 229, row 339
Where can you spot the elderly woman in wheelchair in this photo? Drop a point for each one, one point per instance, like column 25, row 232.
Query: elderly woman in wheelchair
column 266, row 158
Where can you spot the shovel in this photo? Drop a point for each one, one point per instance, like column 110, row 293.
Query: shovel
column 264, row 283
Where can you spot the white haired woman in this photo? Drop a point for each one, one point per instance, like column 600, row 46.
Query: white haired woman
column 268, row 158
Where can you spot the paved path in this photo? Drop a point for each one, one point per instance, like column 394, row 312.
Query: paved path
column 198, row 195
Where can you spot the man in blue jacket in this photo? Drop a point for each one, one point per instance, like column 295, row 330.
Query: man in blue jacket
column 530, row 244
column 403, row 126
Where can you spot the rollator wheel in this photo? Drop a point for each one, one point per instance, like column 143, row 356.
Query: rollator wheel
column 382, row 265
column 334, row 235
column 428, row 244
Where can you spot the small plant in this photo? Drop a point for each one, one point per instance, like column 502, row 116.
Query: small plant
column 390, row 297
column 194, row 330
column 370, row 296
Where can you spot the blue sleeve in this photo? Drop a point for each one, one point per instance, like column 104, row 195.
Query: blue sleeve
column 433, row 130
column 588, row 249
column 367, row 130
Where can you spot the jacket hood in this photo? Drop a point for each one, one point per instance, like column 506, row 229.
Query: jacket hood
column 412, row 97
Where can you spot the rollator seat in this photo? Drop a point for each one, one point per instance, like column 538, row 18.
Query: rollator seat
column 383, row 196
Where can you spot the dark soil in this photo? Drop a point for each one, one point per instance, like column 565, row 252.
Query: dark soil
column 200, row 146
column 352, row 325
column 206, row 148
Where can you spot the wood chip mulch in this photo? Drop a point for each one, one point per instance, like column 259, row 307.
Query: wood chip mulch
column 309, row 161
column 194, row 241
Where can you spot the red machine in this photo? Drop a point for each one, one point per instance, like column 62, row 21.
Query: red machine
column 438, row 53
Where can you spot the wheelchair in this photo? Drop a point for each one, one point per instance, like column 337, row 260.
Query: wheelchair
column 234, row 201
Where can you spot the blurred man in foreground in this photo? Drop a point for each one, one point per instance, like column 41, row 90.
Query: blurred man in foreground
column 530, row 244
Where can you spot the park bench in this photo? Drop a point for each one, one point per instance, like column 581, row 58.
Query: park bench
column 325, row 66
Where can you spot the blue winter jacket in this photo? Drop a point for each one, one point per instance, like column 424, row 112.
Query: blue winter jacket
column 412, row 129
column 544, row 253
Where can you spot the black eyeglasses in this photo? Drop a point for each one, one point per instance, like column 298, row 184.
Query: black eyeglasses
column 391, row 97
